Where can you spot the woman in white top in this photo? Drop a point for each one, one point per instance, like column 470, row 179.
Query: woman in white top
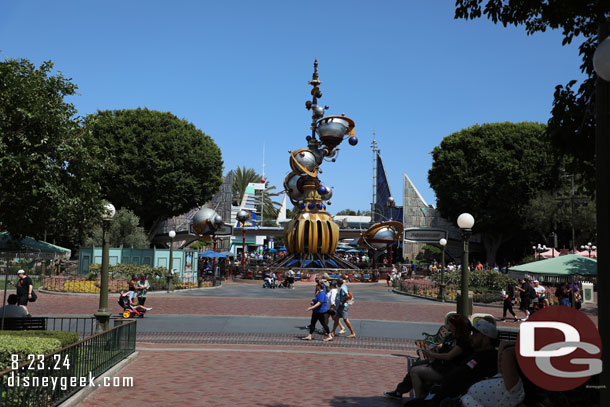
column 332, row 296
column 503, row 390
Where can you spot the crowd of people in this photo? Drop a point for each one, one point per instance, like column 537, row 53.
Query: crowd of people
column 470, row 367
column 332, row 299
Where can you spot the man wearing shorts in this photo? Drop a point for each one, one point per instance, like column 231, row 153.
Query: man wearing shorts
column 342, row 307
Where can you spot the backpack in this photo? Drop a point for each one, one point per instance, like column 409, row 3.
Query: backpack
column 531, row 292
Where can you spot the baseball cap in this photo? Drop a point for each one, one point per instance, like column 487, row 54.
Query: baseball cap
column 21, row 272
column 536, row 281
column 339, row 281
column 486, row 328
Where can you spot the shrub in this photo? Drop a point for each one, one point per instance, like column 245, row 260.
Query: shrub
column 127, row 270
column 65, row 338
column 23, row 346
column 487, row 279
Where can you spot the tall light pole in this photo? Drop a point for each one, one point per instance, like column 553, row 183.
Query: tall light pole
column 539, row 249
column 465, row 222
column 589, row 247
column 103, row 315
column 391, row 204
column 242, row 217
column 172, row 235
column 601, row 64
column 441, row 292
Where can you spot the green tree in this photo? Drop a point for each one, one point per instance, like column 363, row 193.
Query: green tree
column 346, row 212
column 572, row 124
column 48, row 168
column 159, row 166
column 243, row 176
column 551, row 212
column 125, row 230
column 492, row 171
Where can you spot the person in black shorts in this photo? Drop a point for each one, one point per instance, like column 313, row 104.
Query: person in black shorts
column 525, row 296
column 24, row 289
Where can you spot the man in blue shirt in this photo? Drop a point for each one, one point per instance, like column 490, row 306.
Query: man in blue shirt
column 342, row 305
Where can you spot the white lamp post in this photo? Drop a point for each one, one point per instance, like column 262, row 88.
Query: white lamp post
column 589, row 247
column 441, row 292
column 103, row 315
column 465, row 222
column 172, row 235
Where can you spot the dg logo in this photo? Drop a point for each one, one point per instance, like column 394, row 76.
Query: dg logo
column 559, row 348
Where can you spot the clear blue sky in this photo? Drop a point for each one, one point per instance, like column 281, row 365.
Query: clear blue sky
column 238, row 70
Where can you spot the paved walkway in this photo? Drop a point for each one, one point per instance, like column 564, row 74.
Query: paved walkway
column 255, row 376
column 239, row 346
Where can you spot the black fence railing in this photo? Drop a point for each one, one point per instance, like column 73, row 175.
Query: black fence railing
column 50, row 379
column 83, row 326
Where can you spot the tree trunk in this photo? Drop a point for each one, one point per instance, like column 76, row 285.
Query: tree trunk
column 492, row 243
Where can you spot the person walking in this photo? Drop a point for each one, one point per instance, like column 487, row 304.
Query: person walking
column 319, row 306
column 526, row 292
column 509, row 300
column 332, row 305
column 342, row 307
column 143, row 286
column 24, row 289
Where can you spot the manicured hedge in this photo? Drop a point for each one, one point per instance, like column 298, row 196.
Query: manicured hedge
column 64, row 338
column 24, row 346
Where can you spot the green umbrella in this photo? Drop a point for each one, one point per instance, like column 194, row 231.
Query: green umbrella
column 568, row 265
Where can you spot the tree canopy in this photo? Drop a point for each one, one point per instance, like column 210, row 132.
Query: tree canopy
column 48, row 168
column 572, row 125
column 159, row 166
column 125, row 230
column 492, row 171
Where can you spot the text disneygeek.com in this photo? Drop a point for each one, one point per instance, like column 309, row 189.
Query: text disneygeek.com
column 64, row 383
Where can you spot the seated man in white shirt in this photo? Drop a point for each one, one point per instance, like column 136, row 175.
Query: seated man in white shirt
column 541, row 293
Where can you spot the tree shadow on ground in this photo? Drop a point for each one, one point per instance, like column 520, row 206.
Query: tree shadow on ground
column 343, row 401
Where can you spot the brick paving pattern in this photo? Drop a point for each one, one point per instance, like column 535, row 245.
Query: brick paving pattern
column 217, row 378
column 407, row 345
column 49, row 304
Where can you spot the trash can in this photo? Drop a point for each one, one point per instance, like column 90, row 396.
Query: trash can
column 587, row 292
column 458, row 298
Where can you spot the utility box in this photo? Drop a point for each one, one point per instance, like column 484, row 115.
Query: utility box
column 587, row 292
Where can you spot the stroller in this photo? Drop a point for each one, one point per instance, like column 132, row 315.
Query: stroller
column 130, row 310
column 285, row 283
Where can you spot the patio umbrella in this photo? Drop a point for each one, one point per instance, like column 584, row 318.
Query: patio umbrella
column 211, row 254
column 562, row 266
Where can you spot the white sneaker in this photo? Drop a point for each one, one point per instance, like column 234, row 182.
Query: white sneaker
column 148, row 309
column 525, row 319
column 341, row 332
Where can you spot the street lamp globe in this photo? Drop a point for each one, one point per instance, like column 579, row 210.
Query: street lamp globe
column 601, row 59
column 443, row 242
column 242, row 216
column 465, row 221
column 109, row 211
column 172, row 234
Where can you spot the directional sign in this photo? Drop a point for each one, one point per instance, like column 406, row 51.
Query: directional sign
column 424, row 235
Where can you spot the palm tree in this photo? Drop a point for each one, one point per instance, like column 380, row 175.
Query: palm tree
column 242, row 176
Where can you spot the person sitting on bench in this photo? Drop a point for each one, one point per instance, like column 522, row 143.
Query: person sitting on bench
column 12, row 310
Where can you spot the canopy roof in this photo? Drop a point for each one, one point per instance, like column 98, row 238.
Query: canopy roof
column 29, row 247
column 568, row 265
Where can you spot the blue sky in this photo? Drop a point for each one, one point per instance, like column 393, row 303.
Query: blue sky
column 238, row 70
